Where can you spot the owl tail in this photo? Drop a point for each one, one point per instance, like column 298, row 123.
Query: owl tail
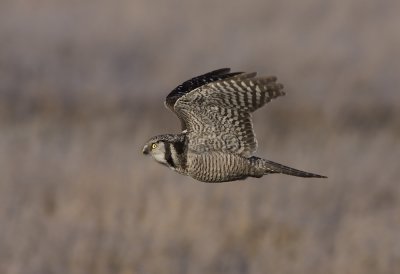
column 271, row 167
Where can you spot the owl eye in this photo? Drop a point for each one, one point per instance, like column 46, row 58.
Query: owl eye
column 153, row 146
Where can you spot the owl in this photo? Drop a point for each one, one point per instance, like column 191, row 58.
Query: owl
column 217, row 142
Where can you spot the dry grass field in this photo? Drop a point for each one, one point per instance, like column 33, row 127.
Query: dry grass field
column 82, row 85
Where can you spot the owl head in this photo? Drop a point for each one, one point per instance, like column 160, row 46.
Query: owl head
column 156, row 147
column 164, row 148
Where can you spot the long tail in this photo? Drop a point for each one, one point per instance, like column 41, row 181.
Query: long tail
column 272, row 167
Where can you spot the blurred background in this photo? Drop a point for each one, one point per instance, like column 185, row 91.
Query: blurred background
column 82, row 85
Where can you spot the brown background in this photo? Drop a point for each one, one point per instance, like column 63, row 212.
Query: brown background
column 82, row 85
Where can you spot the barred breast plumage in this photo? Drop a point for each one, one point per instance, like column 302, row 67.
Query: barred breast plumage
column 217, row 167
column 217, row 139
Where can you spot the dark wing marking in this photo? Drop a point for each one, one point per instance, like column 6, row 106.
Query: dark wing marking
column 217, row 115
column 196, row 82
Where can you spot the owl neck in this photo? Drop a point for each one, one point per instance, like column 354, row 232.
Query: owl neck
column 175, row 152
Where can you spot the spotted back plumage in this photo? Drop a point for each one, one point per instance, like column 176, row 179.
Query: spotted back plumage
column 217, row 115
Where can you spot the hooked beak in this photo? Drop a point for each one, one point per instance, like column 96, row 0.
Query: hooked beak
column 145, row 150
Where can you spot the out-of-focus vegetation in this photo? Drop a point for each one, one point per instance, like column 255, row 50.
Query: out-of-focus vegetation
column 82, row 85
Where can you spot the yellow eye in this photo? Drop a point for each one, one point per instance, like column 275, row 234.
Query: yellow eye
column 153, row 146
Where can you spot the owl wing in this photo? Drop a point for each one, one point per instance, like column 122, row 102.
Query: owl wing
column 217, row 115
column 194, row 83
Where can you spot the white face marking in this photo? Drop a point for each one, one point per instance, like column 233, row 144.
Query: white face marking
column 159, row 157
column 158, row 153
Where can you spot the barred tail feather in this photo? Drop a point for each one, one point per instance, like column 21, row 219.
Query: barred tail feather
column 272, row 167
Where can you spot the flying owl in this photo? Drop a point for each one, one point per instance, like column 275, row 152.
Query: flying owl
column 217, row 141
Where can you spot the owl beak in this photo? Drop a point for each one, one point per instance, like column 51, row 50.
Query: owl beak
column 145, row 150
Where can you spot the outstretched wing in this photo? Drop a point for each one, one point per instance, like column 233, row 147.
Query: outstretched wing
column 217, row 115
column 196, row 82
